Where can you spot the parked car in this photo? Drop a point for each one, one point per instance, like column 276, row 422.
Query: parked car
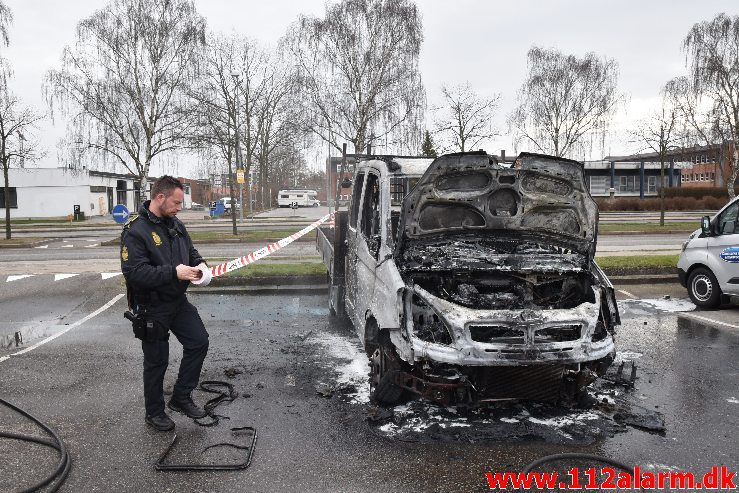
column 709, row 263
column 467, row 280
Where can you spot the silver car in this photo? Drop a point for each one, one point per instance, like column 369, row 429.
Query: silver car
column 709, row 263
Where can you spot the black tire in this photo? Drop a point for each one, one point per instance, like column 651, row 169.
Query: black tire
column 384, row 363
column 703, row 288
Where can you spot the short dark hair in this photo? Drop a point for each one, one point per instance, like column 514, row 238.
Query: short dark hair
column 166, row 184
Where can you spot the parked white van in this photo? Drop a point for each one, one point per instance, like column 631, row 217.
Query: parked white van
column 300, row 198
column 709, row 263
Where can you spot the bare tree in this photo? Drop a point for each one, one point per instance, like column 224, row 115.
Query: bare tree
column 660, row 134
column 224, row 97
column 465, row 119
column 17, row 123
column 358, row 70
column 563, row 100
column 277, row 118
column 709, row 98
column 6, row 18
column 17, row 145
column 123, row 82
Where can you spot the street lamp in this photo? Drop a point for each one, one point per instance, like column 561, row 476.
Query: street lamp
column 239, row 163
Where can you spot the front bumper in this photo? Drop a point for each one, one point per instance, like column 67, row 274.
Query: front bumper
column 682, row 277
column 530, row 350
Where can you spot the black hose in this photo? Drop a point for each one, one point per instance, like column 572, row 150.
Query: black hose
column 579, row 456
column 62, row 469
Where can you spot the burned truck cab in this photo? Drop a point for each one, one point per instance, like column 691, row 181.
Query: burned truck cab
column 469, row 280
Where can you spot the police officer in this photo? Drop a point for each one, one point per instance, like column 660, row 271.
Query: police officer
column 158, row 261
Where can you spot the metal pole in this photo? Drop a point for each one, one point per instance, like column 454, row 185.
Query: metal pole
column 239, row 162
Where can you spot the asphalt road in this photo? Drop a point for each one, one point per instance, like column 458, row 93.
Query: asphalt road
column 302, row 384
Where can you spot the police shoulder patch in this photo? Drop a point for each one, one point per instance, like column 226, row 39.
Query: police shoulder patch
column 156, row 238
column 130, row 221
column 124, row 253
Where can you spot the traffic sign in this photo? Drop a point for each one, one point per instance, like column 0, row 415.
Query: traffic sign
column 120, row 214
column 240, row 176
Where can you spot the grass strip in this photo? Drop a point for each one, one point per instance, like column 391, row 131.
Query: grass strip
column 652, row 227
column 637, row 261
column 280, row 270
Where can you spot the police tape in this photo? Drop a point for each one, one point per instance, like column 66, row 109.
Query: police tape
column 238, row 263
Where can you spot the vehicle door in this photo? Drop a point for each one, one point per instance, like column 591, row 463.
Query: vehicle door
column 369, row 239
column 351, row 243
column 723, row 248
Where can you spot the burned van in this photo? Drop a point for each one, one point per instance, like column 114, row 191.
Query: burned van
column 470, row 280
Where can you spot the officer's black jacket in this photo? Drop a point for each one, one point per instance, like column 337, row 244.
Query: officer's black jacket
column 151, row 249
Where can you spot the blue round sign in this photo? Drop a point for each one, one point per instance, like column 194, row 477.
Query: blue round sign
column 120, row 214
column 730, row 255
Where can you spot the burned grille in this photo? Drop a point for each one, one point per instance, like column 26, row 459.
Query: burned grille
column 561, row 333
column 538, row 383
column 496, row 334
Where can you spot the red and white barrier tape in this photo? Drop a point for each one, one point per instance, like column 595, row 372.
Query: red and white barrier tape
column 240, row 262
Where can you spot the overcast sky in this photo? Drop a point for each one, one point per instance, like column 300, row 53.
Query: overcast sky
column 480, row 41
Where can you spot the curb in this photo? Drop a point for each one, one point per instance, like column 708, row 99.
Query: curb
column 30, row 245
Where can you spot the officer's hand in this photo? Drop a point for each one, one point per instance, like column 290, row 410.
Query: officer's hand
column 187, row 273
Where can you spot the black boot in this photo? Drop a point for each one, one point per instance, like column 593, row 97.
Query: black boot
column 186, row 406
column 161, row 422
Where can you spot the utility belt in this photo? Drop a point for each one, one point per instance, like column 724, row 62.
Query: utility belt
column 146, row 327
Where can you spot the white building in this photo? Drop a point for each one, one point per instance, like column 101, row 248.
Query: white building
column 54, row 192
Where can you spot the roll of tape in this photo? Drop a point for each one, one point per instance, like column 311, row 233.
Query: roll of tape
column 205, row 278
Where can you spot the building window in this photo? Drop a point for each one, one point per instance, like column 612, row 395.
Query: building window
column 626, row 184
column 713, row 176
column 13, row 198
column 98, row 189
column 599, row 185
column 651, row 184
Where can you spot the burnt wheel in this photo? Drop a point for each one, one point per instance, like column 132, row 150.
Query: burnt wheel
column 703, row 288
column 384, row 363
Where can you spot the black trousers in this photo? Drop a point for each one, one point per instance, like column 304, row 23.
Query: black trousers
column 183, row 320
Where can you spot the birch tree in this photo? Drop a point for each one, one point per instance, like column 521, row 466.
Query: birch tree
column 465, row 119
column 123, row 83
column 709, row 96
column 564, row 101
column 358, row 71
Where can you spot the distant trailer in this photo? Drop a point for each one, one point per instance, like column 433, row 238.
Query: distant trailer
column 297, row 198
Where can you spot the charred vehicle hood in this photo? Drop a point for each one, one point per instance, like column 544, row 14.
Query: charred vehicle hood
column 541, row 198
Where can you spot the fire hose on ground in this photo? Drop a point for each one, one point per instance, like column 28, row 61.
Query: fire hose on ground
column 59, row 475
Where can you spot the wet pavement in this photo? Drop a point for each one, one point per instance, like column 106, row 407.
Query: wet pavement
column 301, row 382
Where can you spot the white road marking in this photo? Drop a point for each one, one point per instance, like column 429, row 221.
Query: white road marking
column 92, row 246
column 709, row 320
column 66, row 246
column 108, row 275
column 15, row 278
column 42, row 246
column 70, row 327
column 60, row 277
column 627, row 293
